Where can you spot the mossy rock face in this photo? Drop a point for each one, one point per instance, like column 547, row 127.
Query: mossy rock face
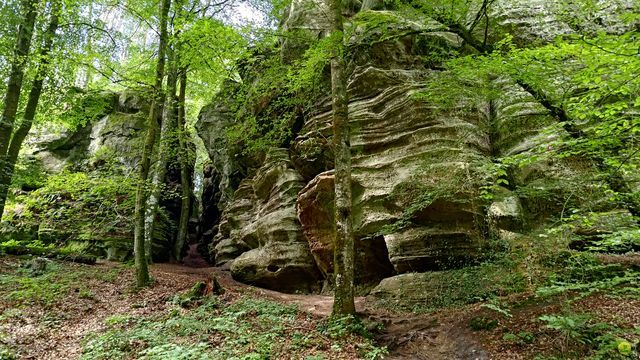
column 434, row 290
column 542, row 21
column 387, row 40
column 437, row 169
column 85, row 191
column 11, row 230
column 116, row 139
column 109, row 131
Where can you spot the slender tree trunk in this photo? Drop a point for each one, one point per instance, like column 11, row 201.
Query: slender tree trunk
column 142, row 269
column 344, row 257
column 14, row 86
column 32, row 104
column 88, row 76
column 167, row 127
column 185, row 179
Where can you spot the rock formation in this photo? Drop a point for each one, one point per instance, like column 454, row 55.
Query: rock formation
column 106, row 144
column 421, row 168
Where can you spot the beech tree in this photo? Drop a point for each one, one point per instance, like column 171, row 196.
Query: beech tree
column 344, row 252
column 33, row 100
column 141, row 259
column 14, row 87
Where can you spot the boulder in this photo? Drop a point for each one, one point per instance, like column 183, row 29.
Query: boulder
column 419, row 292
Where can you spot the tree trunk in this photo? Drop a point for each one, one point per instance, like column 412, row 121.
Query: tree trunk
column 32, row 104
column 14, row 85
column 167, row 127
column 185, row 179
column 344, row 257
column 142, row 269
column 88, row 75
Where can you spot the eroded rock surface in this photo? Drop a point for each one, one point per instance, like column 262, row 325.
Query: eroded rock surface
column 427, row 195
column 399, row 142
column 260, row 230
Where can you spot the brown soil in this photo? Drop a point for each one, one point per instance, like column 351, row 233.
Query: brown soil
column 57, row 333
column 46, row 333
column 426, row 337
column 407, row 336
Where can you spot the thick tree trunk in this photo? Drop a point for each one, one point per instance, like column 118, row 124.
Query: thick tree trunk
column 167, row 127
column 142, row 269
column 14, row 86
column 32, row 104
column 344, row 257
column 185, row 178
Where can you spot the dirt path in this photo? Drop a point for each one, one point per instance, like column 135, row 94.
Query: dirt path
column 428, row 337
column 408, row 336
column 57, row 332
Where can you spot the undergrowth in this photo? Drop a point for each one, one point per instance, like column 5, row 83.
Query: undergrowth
column 247, row 328
column 20, row 286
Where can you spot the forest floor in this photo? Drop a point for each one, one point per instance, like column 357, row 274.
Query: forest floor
column 75, row 311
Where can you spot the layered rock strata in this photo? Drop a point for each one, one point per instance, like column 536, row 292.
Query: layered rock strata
column 427, row 195
column 261, row 233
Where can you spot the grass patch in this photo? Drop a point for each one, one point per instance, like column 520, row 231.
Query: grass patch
column 73, row 253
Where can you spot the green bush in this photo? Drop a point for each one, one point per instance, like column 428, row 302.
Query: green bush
column 607, row 341
column 78, row 212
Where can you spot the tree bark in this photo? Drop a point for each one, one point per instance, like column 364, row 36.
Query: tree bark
column 167, row 127
column 14, row 86
column 32, row 104
column 185, row 178
column 344, row 257
column 141, row 260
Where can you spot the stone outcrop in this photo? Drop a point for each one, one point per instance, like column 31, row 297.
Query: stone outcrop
column 114, row 135
column 106, row 146
column 260, row 230
column 426, row 193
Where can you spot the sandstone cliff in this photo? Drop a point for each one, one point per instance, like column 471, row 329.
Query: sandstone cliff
column 421, row 167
